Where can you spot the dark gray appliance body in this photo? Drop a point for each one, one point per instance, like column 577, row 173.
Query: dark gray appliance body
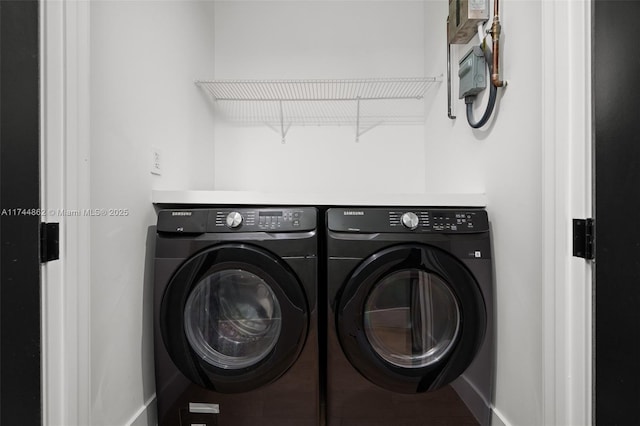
column 235, row 318
column 410, row 339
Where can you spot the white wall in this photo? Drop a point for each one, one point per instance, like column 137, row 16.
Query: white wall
column 503, row 160
column 145, row 57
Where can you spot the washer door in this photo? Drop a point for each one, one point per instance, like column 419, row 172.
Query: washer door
column 234, row 318
column 411, row 318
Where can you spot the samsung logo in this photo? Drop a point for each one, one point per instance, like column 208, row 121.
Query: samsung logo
column 181, row 213
column 353, row 213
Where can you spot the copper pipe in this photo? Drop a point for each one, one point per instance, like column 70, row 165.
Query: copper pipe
column 495, row 36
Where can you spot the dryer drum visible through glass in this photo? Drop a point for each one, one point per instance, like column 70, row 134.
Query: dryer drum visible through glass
column 412, row 319
column 422, row 313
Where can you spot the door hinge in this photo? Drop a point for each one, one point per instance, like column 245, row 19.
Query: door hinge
column 49, row 242
column 583, row 238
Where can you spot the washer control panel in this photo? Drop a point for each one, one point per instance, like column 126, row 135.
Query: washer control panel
column 234, row 220
column 410, row 219
column 237, row 219
column 288, row 219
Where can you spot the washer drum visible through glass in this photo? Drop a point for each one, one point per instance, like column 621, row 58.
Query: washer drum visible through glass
column 232, row 319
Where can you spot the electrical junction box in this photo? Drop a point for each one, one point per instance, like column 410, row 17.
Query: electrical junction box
column 464, row 17
column 471, row 71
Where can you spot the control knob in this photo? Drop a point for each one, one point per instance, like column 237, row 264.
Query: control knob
column 234, row 219
column 410, row 220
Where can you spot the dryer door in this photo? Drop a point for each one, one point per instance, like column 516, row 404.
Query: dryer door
column 411, row 318
column 234, row 318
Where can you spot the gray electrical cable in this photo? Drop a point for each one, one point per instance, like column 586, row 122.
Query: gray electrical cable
column 493, row 92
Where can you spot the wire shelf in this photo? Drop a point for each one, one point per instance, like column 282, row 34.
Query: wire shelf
column 280, row 104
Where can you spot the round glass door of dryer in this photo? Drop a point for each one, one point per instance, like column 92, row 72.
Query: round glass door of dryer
column 234, row 318
column 411, row 318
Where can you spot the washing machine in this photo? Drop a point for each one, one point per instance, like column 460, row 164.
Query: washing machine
column 410, row 339
column 235, row 317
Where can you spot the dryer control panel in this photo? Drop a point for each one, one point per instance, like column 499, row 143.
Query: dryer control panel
column 410, row 219
column 237, row 219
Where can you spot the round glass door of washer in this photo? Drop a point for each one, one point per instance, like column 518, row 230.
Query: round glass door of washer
column 232, row 319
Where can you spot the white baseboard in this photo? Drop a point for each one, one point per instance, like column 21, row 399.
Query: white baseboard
column 472, row 397
column 497, row 418
column 146, row 415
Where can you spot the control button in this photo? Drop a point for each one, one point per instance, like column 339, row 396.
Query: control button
column 234, row 220
column 410, row 220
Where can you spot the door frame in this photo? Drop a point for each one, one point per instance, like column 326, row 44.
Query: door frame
column 65, row 151
column 566, row 355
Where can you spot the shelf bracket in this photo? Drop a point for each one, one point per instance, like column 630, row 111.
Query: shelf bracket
column 358, row 119
column 283, row 132
column 373, row 126
column 359, row 131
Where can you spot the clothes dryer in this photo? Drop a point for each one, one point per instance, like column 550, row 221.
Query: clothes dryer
column 410, row 317
column 235, row 318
